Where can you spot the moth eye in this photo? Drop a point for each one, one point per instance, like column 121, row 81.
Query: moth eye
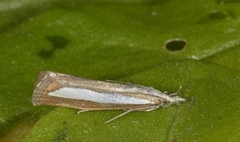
column 165, row 101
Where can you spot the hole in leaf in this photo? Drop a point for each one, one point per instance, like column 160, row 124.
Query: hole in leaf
column 175, row 44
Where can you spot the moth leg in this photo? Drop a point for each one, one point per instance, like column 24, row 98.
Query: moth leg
column 80, row 111
column 120, row 115
column 174, row 94
column 148, row 108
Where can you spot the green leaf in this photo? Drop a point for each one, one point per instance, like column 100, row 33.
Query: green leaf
column 137, row 41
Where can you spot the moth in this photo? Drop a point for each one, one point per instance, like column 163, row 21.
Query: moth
column 59, row 89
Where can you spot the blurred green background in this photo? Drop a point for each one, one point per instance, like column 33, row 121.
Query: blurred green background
column 125, row 41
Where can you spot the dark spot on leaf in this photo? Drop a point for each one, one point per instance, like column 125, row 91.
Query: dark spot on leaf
column 216, row 15
column 95, row 123
column 175, row 44
column 64, row 122
column 57, row 42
